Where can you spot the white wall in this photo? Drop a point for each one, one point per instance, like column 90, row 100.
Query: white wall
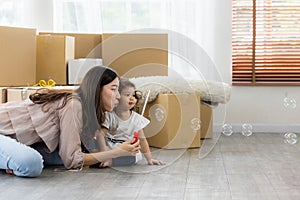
column 258, row 105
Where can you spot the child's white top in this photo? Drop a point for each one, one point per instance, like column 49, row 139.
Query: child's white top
column 123, row 129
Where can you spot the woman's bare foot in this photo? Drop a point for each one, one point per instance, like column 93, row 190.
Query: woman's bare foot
column 10, row 172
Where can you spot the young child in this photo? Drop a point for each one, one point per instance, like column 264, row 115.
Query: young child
column 122, row 122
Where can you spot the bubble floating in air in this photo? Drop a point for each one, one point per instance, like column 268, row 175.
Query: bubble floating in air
column 159, row 114
column 195, row 124
column 289, row 103
column 227, row 129
column 247, row 130
column 290, row 138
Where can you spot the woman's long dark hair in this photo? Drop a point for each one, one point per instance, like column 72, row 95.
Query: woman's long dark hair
column 89, row 92
column 45, row 96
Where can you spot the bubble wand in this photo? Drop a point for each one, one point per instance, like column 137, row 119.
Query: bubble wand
column 136, row 134
column 146, row 100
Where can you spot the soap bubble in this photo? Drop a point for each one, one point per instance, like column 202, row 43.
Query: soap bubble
column 159, row 114
column 290, row 138
column 289, row 102
column 246, row 130
column 227, row 129
column 158, row 117
column 195, row 124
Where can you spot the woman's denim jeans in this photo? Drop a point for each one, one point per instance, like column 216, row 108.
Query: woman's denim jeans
column 23, row 160
column 50, row 159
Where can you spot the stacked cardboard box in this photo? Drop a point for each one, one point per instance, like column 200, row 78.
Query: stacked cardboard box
column 86, row 45
column 26, row 58
column 131, row 54
column 136, row 54
column 53, row 53
column 18, row 56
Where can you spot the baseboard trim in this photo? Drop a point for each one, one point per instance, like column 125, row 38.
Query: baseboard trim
column 263, row 128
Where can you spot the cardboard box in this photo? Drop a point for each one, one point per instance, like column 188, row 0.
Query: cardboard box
column 136, row 54
column 206, row 121
column 86, row 45
column 22, row 93
column 175, row 121
column 2, row 94
column 53, row 53
column 17, row 55
column 77, row 68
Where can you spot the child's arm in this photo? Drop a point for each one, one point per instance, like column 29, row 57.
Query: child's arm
column 146, row 150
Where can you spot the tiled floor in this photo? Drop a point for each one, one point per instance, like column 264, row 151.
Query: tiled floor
column 261, row 166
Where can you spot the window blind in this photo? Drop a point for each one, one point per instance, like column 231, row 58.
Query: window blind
column 266, row 42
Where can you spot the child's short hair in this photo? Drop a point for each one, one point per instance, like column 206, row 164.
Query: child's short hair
column 125, row 83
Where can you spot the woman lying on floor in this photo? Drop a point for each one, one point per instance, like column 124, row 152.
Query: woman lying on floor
column 52, row 126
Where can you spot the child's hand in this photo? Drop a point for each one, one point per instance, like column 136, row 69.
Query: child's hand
column 155, row 162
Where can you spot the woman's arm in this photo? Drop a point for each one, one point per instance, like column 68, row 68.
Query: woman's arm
column 125, row 149
column 70, row 127
column 101, row 139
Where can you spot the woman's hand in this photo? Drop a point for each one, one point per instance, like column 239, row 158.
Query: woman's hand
column 129, row 149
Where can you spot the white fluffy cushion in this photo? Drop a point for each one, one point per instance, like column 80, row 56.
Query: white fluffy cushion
column 213, row 92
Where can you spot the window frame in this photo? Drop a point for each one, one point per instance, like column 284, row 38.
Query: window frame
column 252, row 64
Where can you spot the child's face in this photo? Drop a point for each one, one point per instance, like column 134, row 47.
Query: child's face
column 127, row 100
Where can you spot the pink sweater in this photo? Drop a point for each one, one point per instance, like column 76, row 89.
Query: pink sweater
column 28, row 123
